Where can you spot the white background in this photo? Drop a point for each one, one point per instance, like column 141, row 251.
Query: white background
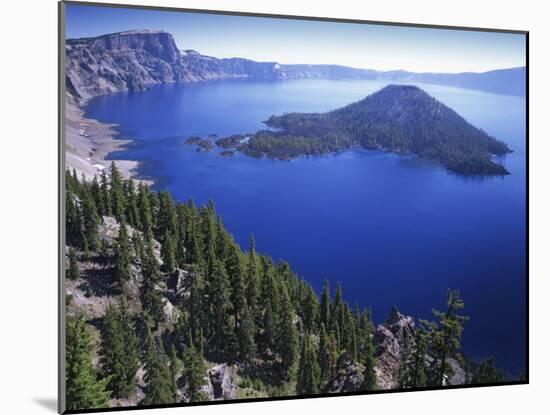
column 28, row 204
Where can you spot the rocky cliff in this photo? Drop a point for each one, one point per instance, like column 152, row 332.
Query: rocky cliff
column 134, row 59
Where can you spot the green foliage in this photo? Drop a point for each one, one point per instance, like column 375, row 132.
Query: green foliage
column 287, row 337
column 444, row 337
column 309, row 372
column 119, row 350
column 194, row 371
column 122, row 271
column 73, row 272
column 159, row 389
column 369, row 375
column 151, row 297
column 83, row 388
column 118, row 199
column 175, row 367
column 487, row 372
column 246, row 336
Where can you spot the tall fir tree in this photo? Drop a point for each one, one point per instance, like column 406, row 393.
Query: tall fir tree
column 90, row 220
column 253, row 288
column 117, row 194
column 157, row 375
column 83, row 388
column 194, row 371
column 287, row 337
column 309, row 372
column 119, row 350
column 175, row 367
column 168, row 252
column 151, row 298
column 237, row 282
column 145, row 212
column 73, row 272
column 369, row 375
column 246, row 336
column 122, row 270
column 444, row 337
column 223, row 333
column 105, row 194
column 132, row 211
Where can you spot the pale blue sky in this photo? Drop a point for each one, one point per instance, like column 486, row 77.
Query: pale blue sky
column 296, row 41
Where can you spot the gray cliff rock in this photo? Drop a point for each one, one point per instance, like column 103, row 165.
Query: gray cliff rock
column 347, row 379
column 389, row 339
column 220, row 383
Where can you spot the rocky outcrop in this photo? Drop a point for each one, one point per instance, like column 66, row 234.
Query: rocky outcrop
column 347, row 379
column 389, row 339
column 221, row 383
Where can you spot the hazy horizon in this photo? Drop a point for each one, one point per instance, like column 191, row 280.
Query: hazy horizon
column 290, row 41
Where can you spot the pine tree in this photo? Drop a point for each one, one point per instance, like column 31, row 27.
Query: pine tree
column 73, row 272
column 272, row 315
column 237, row 283
column 105, row 194
column 195, row 304
column 175, row 367
column 151, row 298
column 444, row 337
column 166, row 218
column 168, row 252
column 253, row 289
column 325, row 305
column 369, row 375
column 308, row 371
column 246, row 336
column 310, row 310
column 324, row 355
column 119, row 350
column 95, row 190
column 83, row 389
column 287, row 337
column 337, row 313
column 139, row 248
column 157, row 376
column 90, row 220
column 223, row 334
column 353, row 346
column 117, row 194
column 122, row 270
column 145, row 212
column 131, row 347
column 132, row 211
column 194, row 371
column 72, row 221
column 418, row 370
column 487, row 372
column 404, row 375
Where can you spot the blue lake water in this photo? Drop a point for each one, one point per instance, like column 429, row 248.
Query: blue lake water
column 392, row 229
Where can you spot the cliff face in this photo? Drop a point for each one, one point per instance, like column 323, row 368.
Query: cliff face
column 133, row 59
column 119, row 62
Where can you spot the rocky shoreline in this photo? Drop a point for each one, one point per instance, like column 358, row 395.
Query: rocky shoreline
column 88, row 142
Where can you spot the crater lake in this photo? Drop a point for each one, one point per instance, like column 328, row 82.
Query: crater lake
column 392, row 229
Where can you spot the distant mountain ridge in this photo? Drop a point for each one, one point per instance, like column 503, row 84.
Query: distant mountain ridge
column 133, row 59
